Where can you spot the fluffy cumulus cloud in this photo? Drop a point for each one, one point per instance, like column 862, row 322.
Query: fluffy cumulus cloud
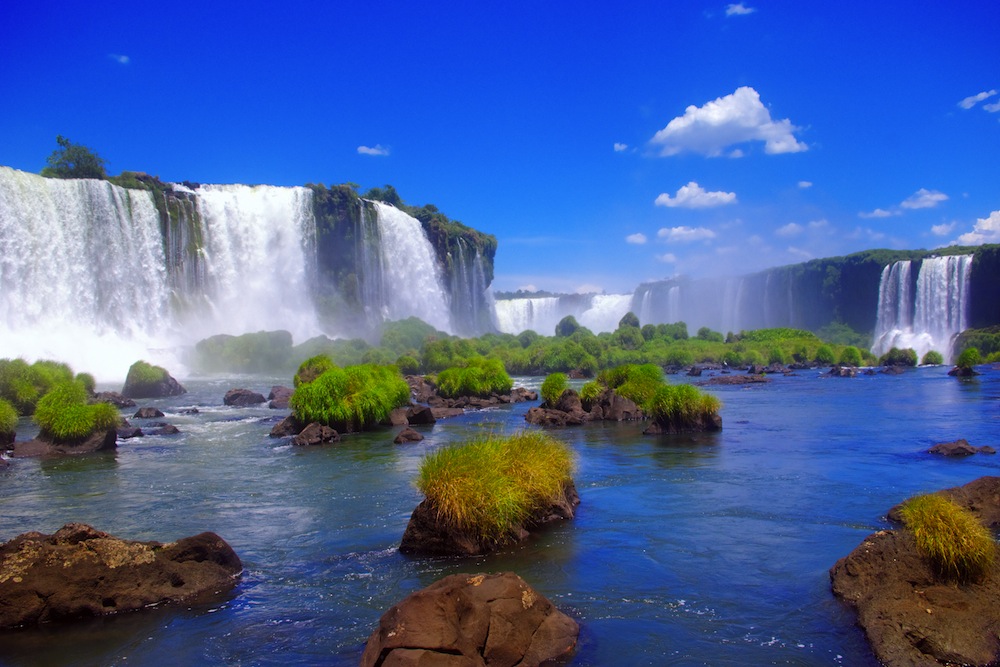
column 924, row 198
column 791, row 229
column 739, row 9
column 693, row 195
column 943, row 229
column 878, row 213
column 986, row 230
column 973, row 100
column 725, row 122
column 620, row 147
column 684, row 234
column 377, row 149
column 636, row 239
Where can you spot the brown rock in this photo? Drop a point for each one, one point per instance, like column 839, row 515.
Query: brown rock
column 286, row 427
column 42, row 446
column 243, row 398
column 420, row 415
column 81, row 572
column 147, row 413
column 407, row 435
column 485, row 619
column 278, row 397
column 316, row 434
column 960, row 447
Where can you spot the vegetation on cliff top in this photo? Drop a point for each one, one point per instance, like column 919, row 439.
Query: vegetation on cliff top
column 489, row 486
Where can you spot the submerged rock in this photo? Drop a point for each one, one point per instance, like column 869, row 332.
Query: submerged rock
column 147, row 413
column 484, row 619
column 42, row 446
column 315, row 434
column 243, row 398
column 909, row 614
column 407, row 435
column 960, row 447
column 82, row 572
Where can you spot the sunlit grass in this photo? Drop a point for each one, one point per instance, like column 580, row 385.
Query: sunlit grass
column 64, row 415
column 492, row 484
column 350, row 399
column 480, row 376
column 956, row 542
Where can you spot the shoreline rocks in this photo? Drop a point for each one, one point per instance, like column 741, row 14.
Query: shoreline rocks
column 80, row 572
column 960, row 447
column 42, row 446
column 481, row 619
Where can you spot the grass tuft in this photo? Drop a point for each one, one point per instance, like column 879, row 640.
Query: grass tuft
column 349, row 399
column 64, row 415
column 553, row 387
column 957, row 544
column 479, row 377
column 492, row 484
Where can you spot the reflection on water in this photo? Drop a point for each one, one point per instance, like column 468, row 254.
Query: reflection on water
column 688, row 549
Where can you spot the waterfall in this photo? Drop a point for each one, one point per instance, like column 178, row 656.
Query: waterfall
column 412, row 279
column 538, row 314
column 925, row 316
column 82, row 272
column 605, row 312
column 471, row 306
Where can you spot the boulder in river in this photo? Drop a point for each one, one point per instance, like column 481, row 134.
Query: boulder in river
column 243, row 398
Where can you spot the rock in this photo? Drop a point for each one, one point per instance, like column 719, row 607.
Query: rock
column 129, row 432
column 286, row 427
column 490, row 620
column 163, row 387
column 842, row 372
column 522, row 395
column 7, row 440
column 735, row 379
column 147, row 413
column 82, row 572
column 427, row 535
column 166, row 429
column 893, row 370
column 420, row 388
column 397, row 417
column 910, row 615
column 407, row 435
column 316, row 434
column 963, row 372
column 115, row 399
column 960, row 447
column 190, row 411
column 546, row 417
column 279, row 396
column 445, row 413
column 420, row 415
column 242, row 398
column 694, row 372
column 42, row 446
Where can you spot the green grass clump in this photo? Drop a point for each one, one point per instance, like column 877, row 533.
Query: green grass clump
column 142, row 378
column 932, row 358
column 682, row 406
column 851, row 356
column 22, row 384
column 553, row 387
column 350, row 399
column 8, row 418
column 492, row 484
column 957, row 544
column 64, row 415
column 312, row 368
column 479, row 377
column 970, row 357
column 897, row 357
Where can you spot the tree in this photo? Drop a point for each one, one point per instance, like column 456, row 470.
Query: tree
column 629, row 320
column 567, row 326
column 74, row 161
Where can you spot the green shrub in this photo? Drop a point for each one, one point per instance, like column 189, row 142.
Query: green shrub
column 753, row 358
column 590, row 392
column 64, row 415
column 553, row 387
column 897, row 357
column 682, row 407
column 408, row 365
column 489, row 486
column 957, row 544
column 932, row 358
column 312, row 368
column 824, row 355
column 8, row 418
column 776, row 356
column 679, row 356
column 87, row 380
column 480, row 377
column 260, row 352
column 350, row 399
column 22, row 384
column 970, row 357
column 143, row 375
column 850, row 356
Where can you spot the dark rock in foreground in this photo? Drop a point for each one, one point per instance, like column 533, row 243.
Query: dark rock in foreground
column 42, row 446
column 315, row 434
column 427, row 535
column 82, row 572
column 243, row 398
column 960, row 447
column 147, row 413
column 911, row 616
column 485, row 619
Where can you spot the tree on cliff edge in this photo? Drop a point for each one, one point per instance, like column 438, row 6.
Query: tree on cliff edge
column 74, row 161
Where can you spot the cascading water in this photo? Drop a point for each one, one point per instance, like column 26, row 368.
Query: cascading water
column 413, row 285
column 538, row 314
column 931, row 315
column 82, row 272
column 605, row 312
column 472, row 304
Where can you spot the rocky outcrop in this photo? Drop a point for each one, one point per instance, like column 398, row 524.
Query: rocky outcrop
column 115, row 399
column 316, row 434
column 909, row 614
column 963, row 372
column 734, row 380
column 427, row 535
column 842, row 372
column 960, row 447
column 82, row 572
column 162, row 387
column 407, row 435
column 278, row 397
column 42, row 446
column 242, row 398
column 569, row 410
column 147, row 413
column 485, row 619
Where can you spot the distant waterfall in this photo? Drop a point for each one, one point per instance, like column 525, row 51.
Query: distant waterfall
column 412, row 279
column 927, row 313
column 538, row 314
column 82, row 271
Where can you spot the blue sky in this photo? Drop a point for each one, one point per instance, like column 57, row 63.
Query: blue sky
column 603, row 145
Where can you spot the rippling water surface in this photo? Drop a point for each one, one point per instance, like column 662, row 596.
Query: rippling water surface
column 686, row 550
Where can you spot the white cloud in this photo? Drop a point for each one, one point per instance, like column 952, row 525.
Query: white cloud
column 693, row 195
column 636, row 239
column 943, row 229
column 739, row 9
column 972, row 100
column 685, row 234
column 619, row 147
column 986, row 230
column 589, row 288
column 992, row 108
column 377, row 149
column 924, row 198
column 120, row 59
column 818, row 224
column 791, row 229
column 878, row 213
column 667, row 258
column 734, row 119
column 805, row 184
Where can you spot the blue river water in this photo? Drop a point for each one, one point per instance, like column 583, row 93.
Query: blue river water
column 709, row 549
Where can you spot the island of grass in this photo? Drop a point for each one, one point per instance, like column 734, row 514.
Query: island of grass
column 69, row 424
column 479, row 377
column 144, row 380
column 489, row 493
column 348, row 400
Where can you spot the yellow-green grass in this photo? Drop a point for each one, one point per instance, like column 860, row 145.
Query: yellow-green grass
column 492, row 484
column 64, row 415
column 479, row 377
column 350, row 399
column 958, row 545
column 682, row 405
column 553, row 387
column 8, row 418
